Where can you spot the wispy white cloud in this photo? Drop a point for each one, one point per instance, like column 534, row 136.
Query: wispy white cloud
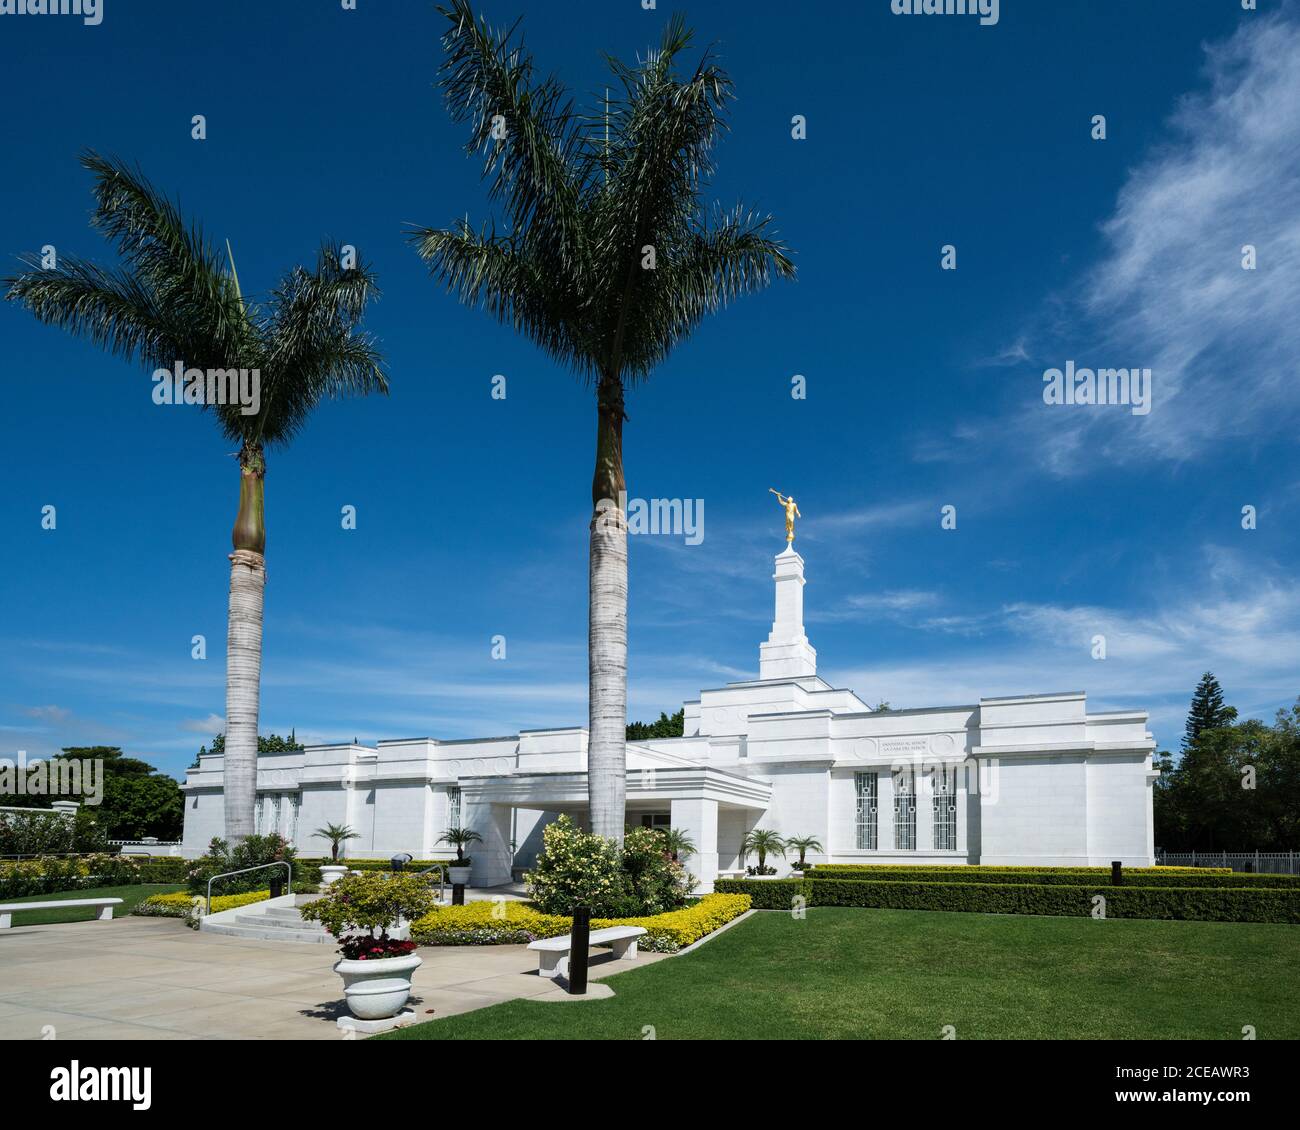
column 1233, row 617
column 53, row 714
column 1170, row 292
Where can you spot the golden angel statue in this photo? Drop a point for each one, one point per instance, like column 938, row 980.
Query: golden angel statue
column 791, row 513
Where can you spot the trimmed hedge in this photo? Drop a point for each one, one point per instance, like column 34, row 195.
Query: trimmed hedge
column 369, row 864
column 767, row 894
column 989, row 869
column 52, row 874
column 1133, row 877
column 1199, row 904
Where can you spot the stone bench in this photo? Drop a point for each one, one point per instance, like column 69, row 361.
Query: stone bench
column 105, row 908
column 553, row 953
column 735, row 874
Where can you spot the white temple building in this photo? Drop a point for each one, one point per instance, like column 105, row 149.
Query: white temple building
column 1030, row 779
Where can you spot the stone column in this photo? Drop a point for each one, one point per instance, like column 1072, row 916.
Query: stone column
column 698, row 818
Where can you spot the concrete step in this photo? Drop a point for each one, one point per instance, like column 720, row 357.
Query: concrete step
column 287, row 913
column 262, row 931
column 273, row 922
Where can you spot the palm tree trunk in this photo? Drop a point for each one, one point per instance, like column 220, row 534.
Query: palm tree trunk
column 244, row 648
column 607, row 625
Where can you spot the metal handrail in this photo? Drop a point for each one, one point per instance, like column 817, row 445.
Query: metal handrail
column 442, row 877
column 244, row 871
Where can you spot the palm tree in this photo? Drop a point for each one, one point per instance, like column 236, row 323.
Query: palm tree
column 460, row 839
column 759, row 841
column 803, row 845
column 336, row 834
column 607, row 261
column 173, row 302
column 678, row 844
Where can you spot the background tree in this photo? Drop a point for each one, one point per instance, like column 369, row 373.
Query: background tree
column 1235, row 788
column 173, row 301
column 665, row 727
column 138, row 800
column 1207, row 711
column 266, row 743
column 606, row 260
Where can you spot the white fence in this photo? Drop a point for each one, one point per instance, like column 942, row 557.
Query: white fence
column 147, row 846
column 1260, row 862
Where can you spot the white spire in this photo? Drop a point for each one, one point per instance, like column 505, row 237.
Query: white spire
column 787, row 654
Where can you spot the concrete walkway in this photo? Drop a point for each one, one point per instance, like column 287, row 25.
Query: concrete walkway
column 154, row 978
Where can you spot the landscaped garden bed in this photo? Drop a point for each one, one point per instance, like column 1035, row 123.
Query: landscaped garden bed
column 504, row 923
column 182, row 904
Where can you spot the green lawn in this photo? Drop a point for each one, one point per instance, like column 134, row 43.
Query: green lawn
column 129, row 896
column 904, row 974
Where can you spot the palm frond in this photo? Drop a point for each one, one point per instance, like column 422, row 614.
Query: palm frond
column 313, row 346
column 488, row 76
column 110, row 308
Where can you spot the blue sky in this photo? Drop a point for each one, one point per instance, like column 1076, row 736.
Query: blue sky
column 924, row 386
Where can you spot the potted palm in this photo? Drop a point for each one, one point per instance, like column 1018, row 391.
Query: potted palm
column 803, row 845
column 678, row 844
column 360, row 910
column 337, row 834
column 760, row 841
column 460, row 839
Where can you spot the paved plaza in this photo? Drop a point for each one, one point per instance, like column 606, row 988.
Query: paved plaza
column 154, row 978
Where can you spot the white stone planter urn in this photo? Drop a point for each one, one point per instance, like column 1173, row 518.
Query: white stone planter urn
column 377, row 989
column 458, row 876
column 332, row 873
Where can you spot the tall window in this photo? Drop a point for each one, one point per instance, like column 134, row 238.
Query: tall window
column 453, row 807
column 904, row 812
column 295, row 802
column 866, row 784
column 945, row 809
column 257, row 811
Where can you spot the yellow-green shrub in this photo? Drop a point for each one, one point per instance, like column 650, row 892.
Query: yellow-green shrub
column 506, row 923
column 189, row 907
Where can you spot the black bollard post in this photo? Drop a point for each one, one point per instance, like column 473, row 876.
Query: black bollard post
column 277, row 887
column 458, row 894
column 1249, row 867
column 580, row 940
column 1116, row 873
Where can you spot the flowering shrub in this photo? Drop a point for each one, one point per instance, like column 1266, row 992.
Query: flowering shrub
column 577, row 868
column 658, row 882
column 254, row 851
column 516, row 923
column 369, row 902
